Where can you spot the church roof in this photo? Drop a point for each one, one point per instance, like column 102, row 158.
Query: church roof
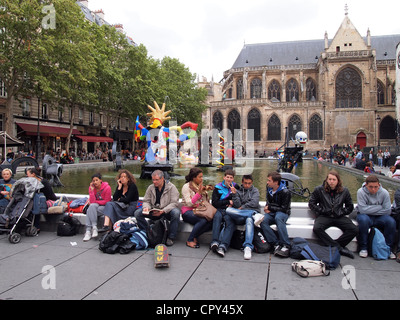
column 306, row 51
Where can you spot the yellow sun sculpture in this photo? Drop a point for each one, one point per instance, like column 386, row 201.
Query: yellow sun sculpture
column 158, row 116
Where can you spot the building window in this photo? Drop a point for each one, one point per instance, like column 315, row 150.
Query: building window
column 26, row 108
column 348, row 89
column 91, row 118
column 387, row 128
column 256, row 88
column 316, row 128
column 254, row 123
column 380, row 93
column 3, row 92
column 1, row 121
column 217, row 121
column 311, row 90
column 274, row 128
column 292, row 91
column 294, row 126
column 239, row 89
column 274, row 91
column 45, row 114
column 233, row 121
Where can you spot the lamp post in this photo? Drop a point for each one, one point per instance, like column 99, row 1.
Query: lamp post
column 38, row 142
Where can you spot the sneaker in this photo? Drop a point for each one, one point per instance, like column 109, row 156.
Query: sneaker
column 169, row 242
column 214, row 246
column 258, row 218
column 220, row 252
column 88, row 236
column 277, row 247
column 363, row 253
column 392, row 256
column 283, row 252
column 95, row 232
column 247, row 253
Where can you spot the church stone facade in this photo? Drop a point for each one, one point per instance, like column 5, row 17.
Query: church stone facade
column 338, row 91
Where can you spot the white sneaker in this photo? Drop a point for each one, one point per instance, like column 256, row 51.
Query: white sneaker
column 392, row 256
column 247, row 253
column 87, row 236
column 95, row 232
column 363, row 253
column 258, row 218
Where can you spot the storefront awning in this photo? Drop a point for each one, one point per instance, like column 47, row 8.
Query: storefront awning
column 95, row 139
column 49, row 131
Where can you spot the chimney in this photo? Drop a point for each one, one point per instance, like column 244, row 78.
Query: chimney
column 119, row 27
column 99, row 13
column 85, row 3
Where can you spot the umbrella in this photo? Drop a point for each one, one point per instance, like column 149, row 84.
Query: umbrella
column 7, row 140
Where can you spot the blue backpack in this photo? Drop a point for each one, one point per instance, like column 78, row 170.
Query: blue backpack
column 328, row 255
column 377, row 245
column 139, row 238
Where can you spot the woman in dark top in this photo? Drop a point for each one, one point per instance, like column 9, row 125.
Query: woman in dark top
column 124, row 202
column 47, row 190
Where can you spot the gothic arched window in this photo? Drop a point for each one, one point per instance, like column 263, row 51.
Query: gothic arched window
column 217, row 121
column 254, row 122
column 315, row 128
column 380, row 88
column 274, row 128
column 294, row 126
column 233, row 121
column 292, row 91
column 274, row 91
column 348, row 89
column 239, row 89
column 311, row 90
column 255, row 88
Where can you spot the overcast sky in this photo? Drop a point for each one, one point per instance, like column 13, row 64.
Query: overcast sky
column 208, row 35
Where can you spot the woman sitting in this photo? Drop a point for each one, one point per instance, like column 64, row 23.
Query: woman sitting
column 99, row 195
column 192, row 193
column 124, row 202
column 5, row 187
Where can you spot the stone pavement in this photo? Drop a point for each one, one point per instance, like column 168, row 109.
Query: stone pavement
column 79, row 270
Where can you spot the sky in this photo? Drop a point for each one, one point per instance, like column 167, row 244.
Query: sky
column 208, row 35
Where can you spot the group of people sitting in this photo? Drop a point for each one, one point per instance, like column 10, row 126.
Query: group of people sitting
column 237, row 204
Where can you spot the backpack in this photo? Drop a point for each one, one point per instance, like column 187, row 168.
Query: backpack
column 157, row 232
column 113, row 242
column 296, row 247
column 260, row 243
column 377, row 246
column 139, row 238
column 329, row 255
column 68, row 226
column 39, row 203
column 310, row 268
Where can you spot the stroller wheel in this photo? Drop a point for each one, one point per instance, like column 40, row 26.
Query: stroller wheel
column 31, row 231
column 14, row 238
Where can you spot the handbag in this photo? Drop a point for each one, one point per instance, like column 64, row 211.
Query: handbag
column 310, row 268
column 205, row 210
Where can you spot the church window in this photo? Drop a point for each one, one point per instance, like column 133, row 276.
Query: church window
column 254, row 123
column 274, row 91
column 292, row 91
column 348, row 89
column 256, row 88
column 274, row 128
column 316, row 128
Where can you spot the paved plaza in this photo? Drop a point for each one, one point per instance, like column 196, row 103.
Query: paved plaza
column 57, row 268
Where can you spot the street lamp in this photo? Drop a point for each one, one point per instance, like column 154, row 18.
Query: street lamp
column 38, row 143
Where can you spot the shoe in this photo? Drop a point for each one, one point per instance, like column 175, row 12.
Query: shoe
column 363, row 253
column 277, row 247
column 95, row 232
column 88, row 236
column 346, row 252
column 258, row 218
column 283, row 252
column 221, row 252
column 247, row 253
column 104, row 229
column 214, row 247
column 192, row 244
column 392, row 256
column 169, row 242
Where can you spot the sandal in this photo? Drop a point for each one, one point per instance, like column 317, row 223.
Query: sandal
column 192, row 244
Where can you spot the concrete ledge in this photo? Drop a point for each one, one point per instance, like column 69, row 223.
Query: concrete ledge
column 299, row 224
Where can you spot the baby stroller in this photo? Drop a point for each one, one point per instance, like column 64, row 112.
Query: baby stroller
column 18, row 215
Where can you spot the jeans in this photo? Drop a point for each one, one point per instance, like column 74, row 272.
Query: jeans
column 200, row 225
column 173, row 216
column 235, row 217
column 278, row 218
column 216, row 228
column 365, row 221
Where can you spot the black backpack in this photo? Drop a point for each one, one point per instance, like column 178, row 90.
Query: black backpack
column 157, row 232
column 238, row 238
column 68, row 226
column 113, row 242
column 260, row 243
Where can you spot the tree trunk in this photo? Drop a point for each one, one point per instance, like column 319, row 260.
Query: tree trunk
column 71, row 127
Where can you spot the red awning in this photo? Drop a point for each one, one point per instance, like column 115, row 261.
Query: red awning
column 95, row 139
column 51, row 131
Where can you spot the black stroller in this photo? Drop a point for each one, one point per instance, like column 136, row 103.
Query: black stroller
column 19, row 214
